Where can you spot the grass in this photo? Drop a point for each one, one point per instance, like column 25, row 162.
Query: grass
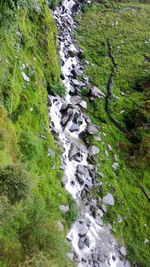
column 126, row 25
column 30, row 196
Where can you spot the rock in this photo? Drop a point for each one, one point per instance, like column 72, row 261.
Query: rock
column 108, row 199
column 60, row 226
column 64, row 107
column 77, row 71
column 123, row 251
column 92, row 129
column 83, row 104
column 115, row 165
column 81, row 242
column 99, row 221
column 76, row 99
column 87, row 241
column 72, row 51
column 51, row 152
column 67, row 117
column 95, row 92
column 81, row 168
column 64, row 180
column 73, row 151
column 64, row 208
column 25, row 77
column 74, row 127
column 93, row 150
column 82, row 229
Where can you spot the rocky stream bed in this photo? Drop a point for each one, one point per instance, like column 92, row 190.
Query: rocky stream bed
column 92, row 243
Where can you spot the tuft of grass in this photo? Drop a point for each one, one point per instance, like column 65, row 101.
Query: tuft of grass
column 126, row 25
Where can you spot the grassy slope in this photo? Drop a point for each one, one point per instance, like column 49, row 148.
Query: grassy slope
column 127, row 27
column 29, row 233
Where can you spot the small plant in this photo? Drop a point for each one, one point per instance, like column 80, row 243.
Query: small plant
column 14, row 183
column 56, row 89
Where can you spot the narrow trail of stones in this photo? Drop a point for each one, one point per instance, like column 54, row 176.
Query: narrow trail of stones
column 92, row 243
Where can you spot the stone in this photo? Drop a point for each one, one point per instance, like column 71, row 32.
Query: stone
column 108, row 199
column 119, row 218
column 123, row 251
column 25, row 77
column 64, row 208
column 93, row 150
column 115, row 165
column 81, row 168
column 73, row 151
column 95, row 92
column 87, row 241
column 82, row 229
column 64, row 180
column 72, row 51
column 81, row 243
column 76, row 99
column 99, row 221
column 74, row 127
column 51, row 153
column 92, row 129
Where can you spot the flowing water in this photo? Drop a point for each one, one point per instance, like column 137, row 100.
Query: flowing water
column 92, row 243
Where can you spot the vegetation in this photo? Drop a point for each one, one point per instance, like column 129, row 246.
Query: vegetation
column 30, row 187
column 123, row 165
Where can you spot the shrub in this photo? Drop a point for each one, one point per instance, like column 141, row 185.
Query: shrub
column 14, row 183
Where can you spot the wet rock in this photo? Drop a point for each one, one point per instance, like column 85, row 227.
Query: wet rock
column 99, row 221
column 77, row 71
column 108, row 199
column 64, row 180
column 76, row 99
column 51, row 153
column 95, row 92
column 72, row 51
column 67, row 117
column 93, row 150
column 87, row 241
column 64, row 208
column 81, row 242
column 82, row 229
column 81, row 169
column 64, row 107
column 74, row 127
column 80, row 178
column 92, row 129
column 74, row 150
column 123, row 251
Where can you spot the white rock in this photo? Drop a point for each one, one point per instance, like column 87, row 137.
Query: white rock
column 108, row 199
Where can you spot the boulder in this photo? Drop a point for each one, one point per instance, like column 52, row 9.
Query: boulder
column 108, row 199
column 81, row 242
column 72, row 51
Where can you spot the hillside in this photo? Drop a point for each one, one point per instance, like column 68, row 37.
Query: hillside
column 30, row 188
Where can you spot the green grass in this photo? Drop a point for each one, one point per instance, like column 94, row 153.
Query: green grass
column 30, row 194
column 126, row 25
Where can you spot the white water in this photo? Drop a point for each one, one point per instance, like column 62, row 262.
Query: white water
column 101, row 241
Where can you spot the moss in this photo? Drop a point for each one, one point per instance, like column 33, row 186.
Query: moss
column 126, row 25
